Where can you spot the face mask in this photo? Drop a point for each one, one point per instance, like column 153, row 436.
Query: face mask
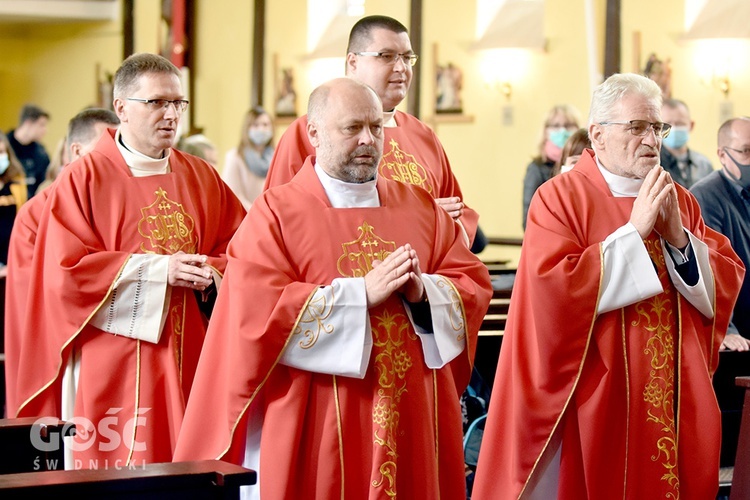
column 744, row 179
column 4, row 162
column 559, row 137
column 259, row 137
column 677, row 138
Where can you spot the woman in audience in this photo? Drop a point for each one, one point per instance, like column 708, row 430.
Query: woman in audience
column 562, row 121
column 572, row 151
column 13, row 194
column 246, row 166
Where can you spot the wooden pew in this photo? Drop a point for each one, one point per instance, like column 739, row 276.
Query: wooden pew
column 740, row 489
column 19, row 451
column 207, row 479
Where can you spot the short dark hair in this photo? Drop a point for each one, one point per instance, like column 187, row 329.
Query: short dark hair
column 360, row 35
column 126, row 76
column 81, row 126
column 31, row 112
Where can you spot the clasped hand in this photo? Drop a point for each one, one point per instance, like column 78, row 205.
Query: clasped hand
column 398, row 272
column 189, row 270
column 656, row 207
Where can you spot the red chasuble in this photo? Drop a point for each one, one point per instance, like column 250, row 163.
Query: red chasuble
column 628, row 391
column 133, row 392
column 20, row 253
column 412, row 154
column 398, row 430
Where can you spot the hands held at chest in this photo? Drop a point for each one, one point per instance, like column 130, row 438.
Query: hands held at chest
column 656, row 207
column 452, row 205
column 189, row 270
column 398, row 272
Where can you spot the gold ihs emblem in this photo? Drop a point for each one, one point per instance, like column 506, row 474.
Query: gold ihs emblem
column 359, row 254
column 167, row 227
column 403, row 167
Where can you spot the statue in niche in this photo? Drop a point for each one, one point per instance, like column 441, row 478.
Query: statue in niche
column 286, row 101
column 449, row 84
column 660, row 72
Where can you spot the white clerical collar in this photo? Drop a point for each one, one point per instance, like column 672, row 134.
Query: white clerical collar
column 140, row 164
column 620, row 187
column 389, row 118
column 348, row 194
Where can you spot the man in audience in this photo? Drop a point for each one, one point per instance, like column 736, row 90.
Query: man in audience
column 685, row 165
column 131, row 237
column 84, row 130
column 380, row 55
column 724, row 198
column 24, row 139
column 343, row 379
column 621, row 301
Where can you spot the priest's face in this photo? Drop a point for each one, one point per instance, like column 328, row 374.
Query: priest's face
column 348, row 139
column 617, row 146
column 390, row 80
column 150, row 127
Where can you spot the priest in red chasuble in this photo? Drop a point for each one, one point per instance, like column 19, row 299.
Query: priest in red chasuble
column 620, row 304
column 132, row 237
column 345, row 329
column 380, row 55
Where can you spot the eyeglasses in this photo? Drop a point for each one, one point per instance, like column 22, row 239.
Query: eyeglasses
column 640, row 127
column 161, row 104
column 391, row 57
column 744, row 152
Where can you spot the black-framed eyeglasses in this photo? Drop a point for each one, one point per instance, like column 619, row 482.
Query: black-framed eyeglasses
column 744, row 152
column 161, row 104
column 641, row 127
column 391, row 57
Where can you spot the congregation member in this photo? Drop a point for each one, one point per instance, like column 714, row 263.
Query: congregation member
column 562, row 121
column 380, row 55
column 132, row 237
column 621, row 301
column 246, row 166
column 341, row 342
column 25, row 141
column 685, row 165
column 724, row 198
column 84, row 130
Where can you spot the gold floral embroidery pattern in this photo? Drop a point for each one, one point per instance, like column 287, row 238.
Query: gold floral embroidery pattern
column 167, row 227
column 392, row 362
column 655, row 315
column 403, row 167
column 177, row 317
column 458, row 322
column 359, row 254
column 313, row 321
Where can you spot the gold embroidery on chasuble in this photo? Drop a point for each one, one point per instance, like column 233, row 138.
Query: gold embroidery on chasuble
column 403, row 167
column 657, row 323
column 391, row 360
column 167, row 229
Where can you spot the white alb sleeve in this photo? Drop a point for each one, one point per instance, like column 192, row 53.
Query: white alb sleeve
column 701, row 294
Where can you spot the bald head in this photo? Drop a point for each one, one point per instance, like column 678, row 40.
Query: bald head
column 345, row 125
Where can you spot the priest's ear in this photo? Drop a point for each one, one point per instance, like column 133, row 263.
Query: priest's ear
column 313, row 134
column 596, row 134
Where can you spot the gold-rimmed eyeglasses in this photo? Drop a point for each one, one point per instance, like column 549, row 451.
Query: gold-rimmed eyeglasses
column 641, row 127
column 391, row 57
column 161, row 104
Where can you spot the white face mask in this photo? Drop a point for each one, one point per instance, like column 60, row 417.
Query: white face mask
column 4, row 162
column 259, row 137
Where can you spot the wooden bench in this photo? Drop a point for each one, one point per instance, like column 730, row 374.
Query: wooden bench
column 740, row 480
column 20, row 453
column 207, row 479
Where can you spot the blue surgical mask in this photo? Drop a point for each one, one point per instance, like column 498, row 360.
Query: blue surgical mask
column 259, row 137
column 744, row 179
column 677, row 137
column 4, row 162
column 559, row 136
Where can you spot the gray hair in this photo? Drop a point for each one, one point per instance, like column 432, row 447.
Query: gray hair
column 615, row 88
column 126, row 77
